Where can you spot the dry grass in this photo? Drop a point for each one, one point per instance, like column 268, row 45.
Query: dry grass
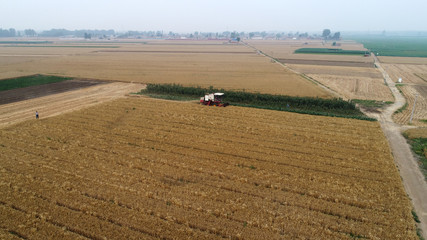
column 144, row 168
column 207, row 63
column 417, row 133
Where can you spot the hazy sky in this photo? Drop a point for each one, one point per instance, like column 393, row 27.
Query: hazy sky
column 216, row 15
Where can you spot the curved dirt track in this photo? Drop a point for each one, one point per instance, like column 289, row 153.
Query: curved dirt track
column 56, row 104
column 413, row 180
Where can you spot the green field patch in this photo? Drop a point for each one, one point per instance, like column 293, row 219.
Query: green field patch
column 27, row 81
column 371, row 103
column 25, row 42
column 333, row 51
column 304, row 105
column 395, row 46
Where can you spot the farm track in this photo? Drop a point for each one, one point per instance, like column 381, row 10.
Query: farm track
column 413, row 179
column 145, row 168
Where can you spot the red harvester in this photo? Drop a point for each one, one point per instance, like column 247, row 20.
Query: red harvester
column 213, row 99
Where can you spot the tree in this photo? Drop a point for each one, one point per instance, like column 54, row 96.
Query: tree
column 337, row 36
column 326, row 33
column 88, row 36
column 12, row 32
column 7, row 33
column 30, row 32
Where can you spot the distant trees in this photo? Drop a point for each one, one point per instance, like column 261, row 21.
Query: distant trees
column 88, row 36
column 11, row 32
column 326, row 33
column 30, row 32
column 77, row 33
column 336, row 36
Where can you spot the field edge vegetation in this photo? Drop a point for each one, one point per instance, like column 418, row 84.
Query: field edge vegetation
column 419, row 147
column 304, row 105
column 28, row 81
column 332, row 51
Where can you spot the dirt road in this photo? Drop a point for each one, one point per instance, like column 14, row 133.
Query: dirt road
column 413, row 180
column 56, row 104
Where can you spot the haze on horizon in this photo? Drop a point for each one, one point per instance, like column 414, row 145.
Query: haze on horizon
column 215, row 15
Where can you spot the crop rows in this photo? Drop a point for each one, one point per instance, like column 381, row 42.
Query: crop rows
column 144, row 168
column 420, row 113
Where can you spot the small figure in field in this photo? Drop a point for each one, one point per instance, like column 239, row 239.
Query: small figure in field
column 37, row 115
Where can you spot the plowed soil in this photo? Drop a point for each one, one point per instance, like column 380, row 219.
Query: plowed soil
column 58, row 103
column 16, row 95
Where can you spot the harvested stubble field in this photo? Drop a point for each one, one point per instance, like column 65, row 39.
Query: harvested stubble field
column 350, row 82
column 403, row 60
column 192, row 63
column 284, row 49
column 144, row 168
column 410, row 73
column 414, row 82
column 420, row 113
column 353, row 77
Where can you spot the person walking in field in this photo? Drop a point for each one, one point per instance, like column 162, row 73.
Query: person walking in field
column 37, row 115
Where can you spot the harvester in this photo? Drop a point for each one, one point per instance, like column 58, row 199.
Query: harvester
column 213, row 99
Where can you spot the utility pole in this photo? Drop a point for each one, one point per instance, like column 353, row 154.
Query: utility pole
column 413, row 109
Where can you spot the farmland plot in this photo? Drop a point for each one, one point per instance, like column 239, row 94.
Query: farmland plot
column 144, row 168
column 284, row 49
column 350, row 82
column 203, row 63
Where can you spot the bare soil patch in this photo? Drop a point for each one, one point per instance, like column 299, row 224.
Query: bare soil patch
column 65, row 101
column 16, row 95
column 326, row 63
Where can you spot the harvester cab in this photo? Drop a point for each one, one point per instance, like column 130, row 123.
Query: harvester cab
column 213, row 99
